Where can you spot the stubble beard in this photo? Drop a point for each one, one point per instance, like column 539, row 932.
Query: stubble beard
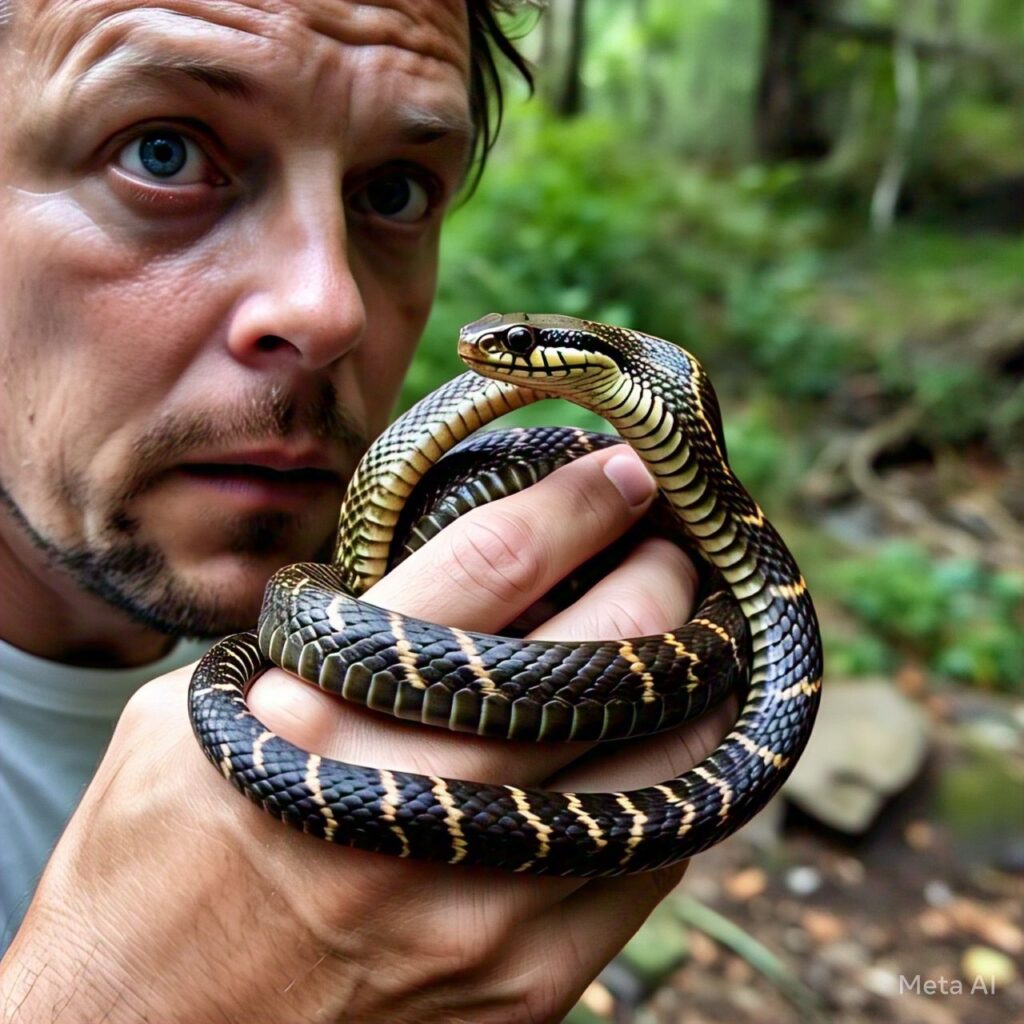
column 134, row 575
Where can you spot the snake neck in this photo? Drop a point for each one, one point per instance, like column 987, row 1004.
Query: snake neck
column 667, row 410
column 396, row 462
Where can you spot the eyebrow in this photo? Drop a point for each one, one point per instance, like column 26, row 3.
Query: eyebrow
column 417, row 126
column 411, row 123
column 161, row 69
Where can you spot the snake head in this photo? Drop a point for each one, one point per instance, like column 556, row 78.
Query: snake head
column 546, row 352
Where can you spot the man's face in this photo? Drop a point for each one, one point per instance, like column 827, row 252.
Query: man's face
column 218, row 244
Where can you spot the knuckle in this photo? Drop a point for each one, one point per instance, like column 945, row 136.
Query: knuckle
column 586, row 494
column 138, row 709
column 671, row 561
column 634, row 613
column 649, row 600
column 545, row 996
column 151, row 702
column 499, row 554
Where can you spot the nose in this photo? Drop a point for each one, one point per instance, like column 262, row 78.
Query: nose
column 300, row 306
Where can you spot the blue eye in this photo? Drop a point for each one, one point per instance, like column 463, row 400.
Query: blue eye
column 166, row 156
column 163, row 155
column 396, row 196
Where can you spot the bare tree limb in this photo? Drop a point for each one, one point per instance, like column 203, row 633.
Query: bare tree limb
column 1003, row 64
column 908, row 108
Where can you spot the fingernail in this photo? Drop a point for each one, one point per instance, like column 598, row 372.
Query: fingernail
column 630, row 478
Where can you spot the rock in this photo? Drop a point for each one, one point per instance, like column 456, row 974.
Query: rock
column 988, row 924
column 934, row 924
column 848, row 995
column 913, row 1009
column 849, row 871
column 796, row 940
column 988, row 967
column 1018, row 715
column 881, row 981
column 848, row 957
column 919, row 835
column 868, row 743
column 990, row 733
column 937, row 893
column 803, row 880
column 822, row 926
column 745, row 885
column 738, row 971
column 703, row 950
column 876, row 937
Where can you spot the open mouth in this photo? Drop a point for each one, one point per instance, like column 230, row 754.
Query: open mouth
column 244, row 473
column 249, row 487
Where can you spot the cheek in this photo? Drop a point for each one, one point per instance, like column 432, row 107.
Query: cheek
column 398, row 302
column 92, row 337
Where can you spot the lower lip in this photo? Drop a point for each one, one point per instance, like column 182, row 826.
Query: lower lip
column 262, row 489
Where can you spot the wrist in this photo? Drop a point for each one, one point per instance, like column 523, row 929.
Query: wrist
column 51, row 972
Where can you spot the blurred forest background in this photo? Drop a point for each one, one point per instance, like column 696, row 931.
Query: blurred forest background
column 824, row 201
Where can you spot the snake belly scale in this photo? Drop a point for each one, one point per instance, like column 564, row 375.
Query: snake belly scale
column 758, row 633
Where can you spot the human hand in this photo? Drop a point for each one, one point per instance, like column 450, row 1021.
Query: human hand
column 171, row 899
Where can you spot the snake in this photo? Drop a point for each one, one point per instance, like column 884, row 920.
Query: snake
column 754, row 632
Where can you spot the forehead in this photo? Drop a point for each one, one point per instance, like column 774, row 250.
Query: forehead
column 283, row 36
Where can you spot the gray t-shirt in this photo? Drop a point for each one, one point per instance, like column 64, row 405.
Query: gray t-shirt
column 55, row 723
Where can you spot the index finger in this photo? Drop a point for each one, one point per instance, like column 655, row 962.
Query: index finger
column 494, row 562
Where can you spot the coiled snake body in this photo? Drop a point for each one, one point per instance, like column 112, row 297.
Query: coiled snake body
column 759, row 631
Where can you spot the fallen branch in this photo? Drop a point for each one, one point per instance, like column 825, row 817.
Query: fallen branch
column 901, row 507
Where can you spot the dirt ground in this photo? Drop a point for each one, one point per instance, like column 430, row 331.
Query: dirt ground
column 914, row 923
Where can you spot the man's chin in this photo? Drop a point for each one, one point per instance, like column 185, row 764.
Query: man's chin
column 223, row 595
column 211, row 596
column 176, row 605
column 179, row 573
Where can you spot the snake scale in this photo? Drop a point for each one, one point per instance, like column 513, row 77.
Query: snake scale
column 757, row 631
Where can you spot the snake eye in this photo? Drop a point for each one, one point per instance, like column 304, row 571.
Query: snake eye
column 519, row 340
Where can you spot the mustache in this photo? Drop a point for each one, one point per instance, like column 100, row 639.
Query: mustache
column 274, row 413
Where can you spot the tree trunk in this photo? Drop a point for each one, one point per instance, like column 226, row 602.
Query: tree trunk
column 547, row 56
column 569, row 102
column 788, row 123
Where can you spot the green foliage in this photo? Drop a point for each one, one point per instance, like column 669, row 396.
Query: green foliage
column 567, row 220
column 681, row 74
column 955, row 401
column 649, row 211
column 960, row 618
column 763, row 451
column 980, row 139
column 797, row 355
column 861, row 655
column 926, row 279
column 573, row 217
